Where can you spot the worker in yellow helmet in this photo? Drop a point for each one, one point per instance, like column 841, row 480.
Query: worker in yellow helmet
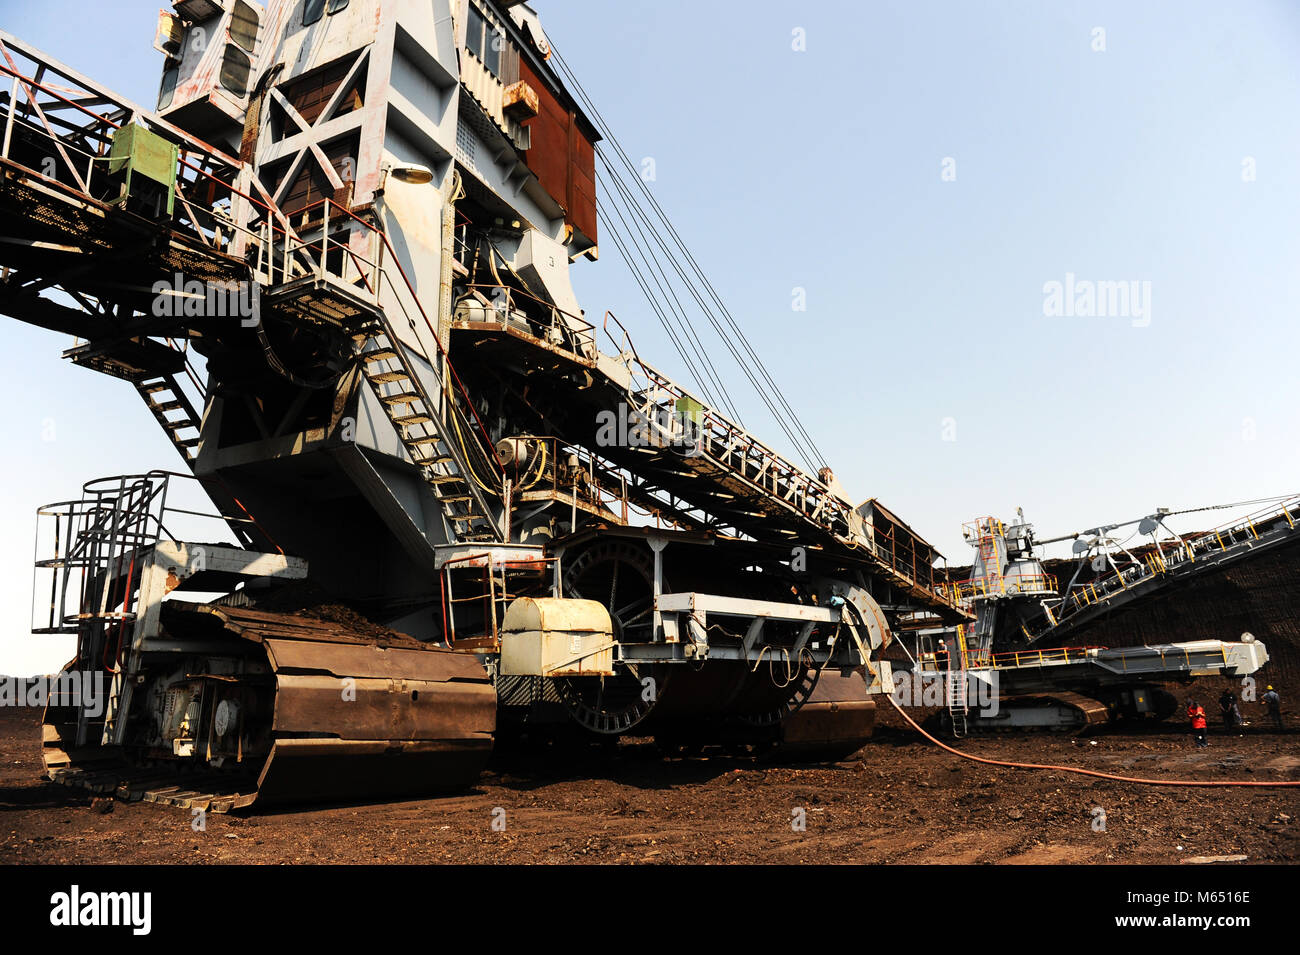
column 1274, row 704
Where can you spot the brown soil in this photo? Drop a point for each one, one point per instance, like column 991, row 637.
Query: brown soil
column 899, row 800
column 307, row 600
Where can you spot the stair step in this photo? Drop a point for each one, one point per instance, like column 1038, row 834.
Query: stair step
column 405, row 398
column 446, row 479
column 384, row 377
column 380, row 354
column 167, row 406
column 154, row 388
column 404, row 420
column 425, row 439
column 453, row 498
column 436, row 459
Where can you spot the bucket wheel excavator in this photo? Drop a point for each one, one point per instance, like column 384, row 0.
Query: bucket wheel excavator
column 333, row 263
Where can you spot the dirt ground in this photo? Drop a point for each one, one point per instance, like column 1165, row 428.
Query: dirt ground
column 899, row 800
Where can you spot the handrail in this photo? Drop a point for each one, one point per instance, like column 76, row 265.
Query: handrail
column 812, row 497
column 1157, row 562
column 383, row 238
column 1001, row 584
column 274, row 216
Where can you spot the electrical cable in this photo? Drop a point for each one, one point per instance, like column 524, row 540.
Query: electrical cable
column 1200, row 783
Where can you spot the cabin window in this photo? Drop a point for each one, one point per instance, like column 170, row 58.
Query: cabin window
column 243, row 26
column 235, row 67
column 313, row 9
column 168, row 88
column 474, row 33
column 485, row 40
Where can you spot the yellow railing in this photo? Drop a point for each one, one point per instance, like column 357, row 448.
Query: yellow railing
column 1001, row 585
column 987, row 660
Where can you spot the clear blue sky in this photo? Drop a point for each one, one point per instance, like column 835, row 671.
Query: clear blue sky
column 821, row 169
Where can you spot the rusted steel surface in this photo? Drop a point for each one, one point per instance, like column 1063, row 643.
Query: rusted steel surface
column 562, row 155
column 262, row 625
column 837, row 719
column 358, row 711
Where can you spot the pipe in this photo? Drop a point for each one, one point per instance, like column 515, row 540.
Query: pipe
column 453, row 192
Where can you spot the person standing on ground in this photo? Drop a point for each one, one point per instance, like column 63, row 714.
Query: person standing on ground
column 1196, row 714
column 1274, row 704
column 1228, row 706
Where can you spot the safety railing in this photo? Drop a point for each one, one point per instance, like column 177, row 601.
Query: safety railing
column 995, row 585
column 89, row 547
column 656, row 399
column 1167, row 555
column 983, row 528
column 975, row 658
column 207, row 193
column 77, row 122
column 1249, row 528
column 372, row 278
column 539, row 319
column 1170, row 657
column 492, row 592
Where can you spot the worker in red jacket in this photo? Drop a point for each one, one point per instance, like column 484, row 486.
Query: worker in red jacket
column 1196, row 713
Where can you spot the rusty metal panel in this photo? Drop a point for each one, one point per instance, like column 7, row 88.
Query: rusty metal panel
column 261, row 625
column 362, row 660
column 384, row 710
column 310, row 93
column 318, row 769
column 832, row 726
column 562, row 156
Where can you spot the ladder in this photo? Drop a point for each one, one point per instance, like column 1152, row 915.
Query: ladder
column 990, row 558
column 163, row 395
column 441, row 452
column 106, row 534
column 955, row 684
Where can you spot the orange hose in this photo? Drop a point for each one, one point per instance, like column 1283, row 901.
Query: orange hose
column 1086, row 772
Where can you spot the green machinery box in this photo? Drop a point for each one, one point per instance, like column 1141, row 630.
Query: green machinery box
column 139, row 152
column 688, row 409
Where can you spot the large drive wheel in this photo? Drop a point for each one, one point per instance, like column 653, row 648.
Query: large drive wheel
column 620, row 576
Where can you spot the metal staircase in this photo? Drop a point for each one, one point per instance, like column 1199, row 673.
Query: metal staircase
column 437, row 443
column 163, row 395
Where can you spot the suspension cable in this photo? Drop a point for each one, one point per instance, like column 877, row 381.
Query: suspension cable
column 764, row 384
